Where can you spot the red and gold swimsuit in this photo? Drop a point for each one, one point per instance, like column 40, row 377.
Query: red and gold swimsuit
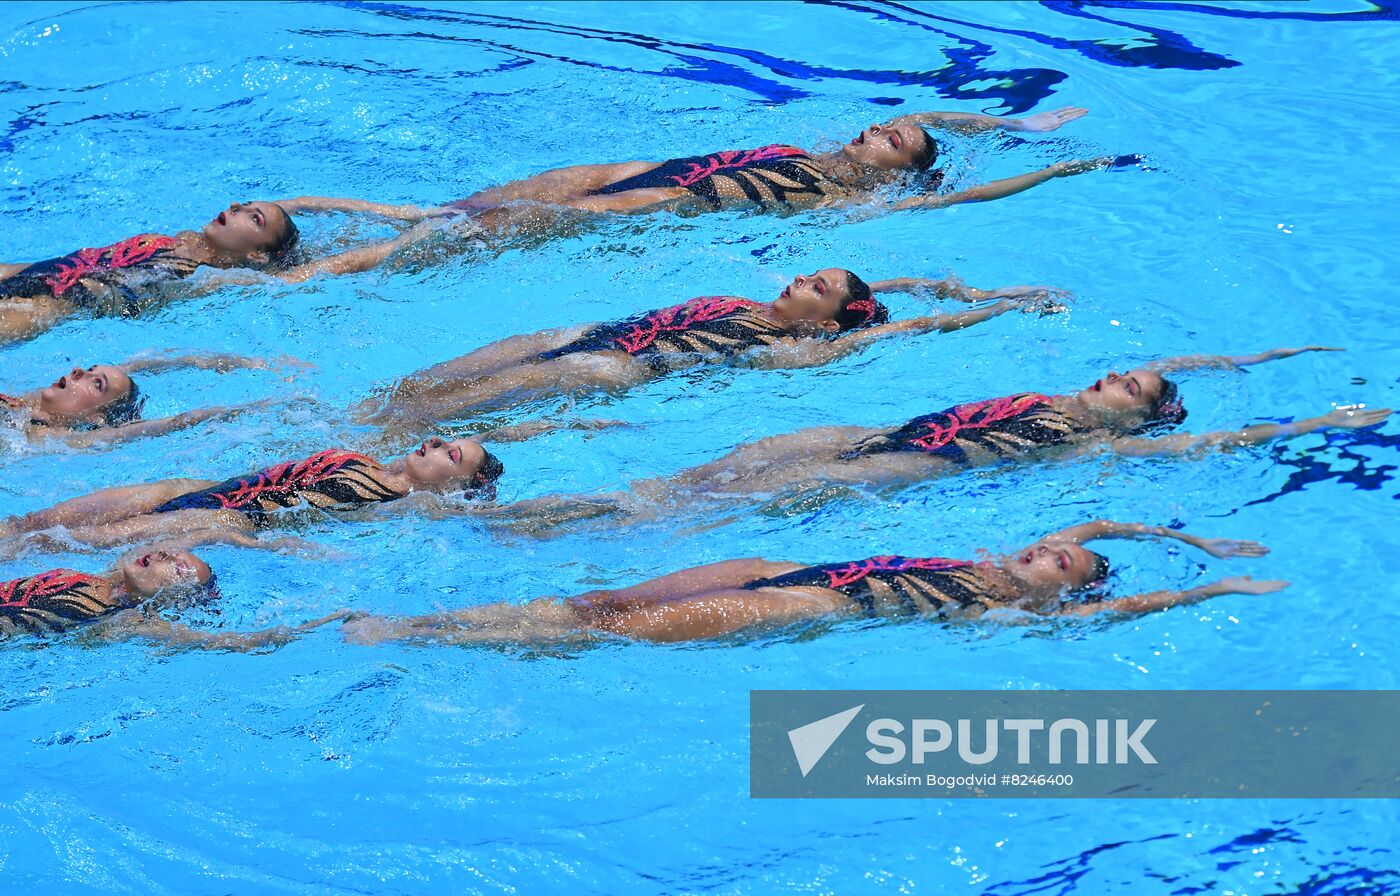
column 325, row 479
column 768, row 175
column 998, row 427
column 897, row 585
column 53, row 601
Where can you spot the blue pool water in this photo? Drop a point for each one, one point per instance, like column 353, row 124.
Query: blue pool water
column 1269, row 219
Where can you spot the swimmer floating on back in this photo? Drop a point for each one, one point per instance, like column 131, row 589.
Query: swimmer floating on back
column 1115, row 412
column 125, row 277
column 102, row 404
column 776, row 177
column 206, row 511
column 1048, row 578
column 116, row 605
column 815, row 320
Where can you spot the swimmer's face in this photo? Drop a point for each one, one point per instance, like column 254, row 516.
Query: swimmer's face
column 888, row 147
column 248, row 230
column 80, row 394
column 438, row 462
column 1053, row 567
column 156, row 571
column 815, row 298
column 1125, row 397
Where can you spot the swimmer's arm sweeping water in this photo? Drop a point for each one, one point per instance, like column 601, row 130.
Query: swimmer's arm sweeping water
column 133, row 625
column 1162, row 600
column 799, row 353
column 1257, row 434
column 1008, row 186
column 219, row 362
column 333, row 204
column 1107, row 529
column 1231, row 362
column 952, row 287
column 142, row 429
column 971, row 122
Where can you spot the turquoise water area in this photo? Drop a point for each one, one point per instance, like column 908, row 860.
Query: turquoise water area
column 1268, row 219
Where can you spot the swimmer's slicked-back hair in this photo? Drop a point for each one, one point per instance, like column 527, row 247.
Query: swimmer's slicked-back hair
column 124, row 410
column 483, row 484
column 925, row 155
column 1100, row 572
column 282, row 253
column 860, row 308
column 1166, row 409
column 490, row 470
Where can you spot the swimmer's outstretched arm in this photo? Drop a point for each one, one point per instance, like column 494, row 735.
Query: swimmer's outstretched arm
column 972, row 122
column 521, row 432
column 1107, row 529
column 411, row 213
column 952, row 287
column 358, row 260
column 812, row 353
column 1161, row 600
column 219, row 362
column 1231, row 362
column 132, row 625
column 1008, row 186
column 1258, row 434
column 142, row 429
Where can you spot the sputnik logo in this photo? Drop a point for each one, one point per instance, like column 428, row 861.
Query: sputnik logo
column 811, row 741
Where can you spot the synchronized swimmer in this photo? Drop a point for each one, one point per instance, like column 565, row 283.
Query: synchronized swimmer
column 771, row 178
column 101, row 404
column 123, row 604
column 201, row 511
column 1117, row 412
column 815, row 320
column 123, row 279
column 1056, row 576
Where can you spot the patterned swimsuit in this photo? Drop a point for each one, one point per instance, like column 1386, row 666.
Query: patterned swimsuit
column 110, row 266
column 325, row 479
column 766, row 176
column 722, row 325
column 897, row 585
column 999, row 427
column 53, row 602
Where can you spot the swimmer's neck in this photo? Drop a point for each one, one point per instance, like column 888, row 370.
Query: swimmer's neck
column 195, row 246
column 395, row 475
column 30, row 402
column 1074, row 407
column 120, row 591
column 1003, row 574
column 838, row 167
column 797, row 327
